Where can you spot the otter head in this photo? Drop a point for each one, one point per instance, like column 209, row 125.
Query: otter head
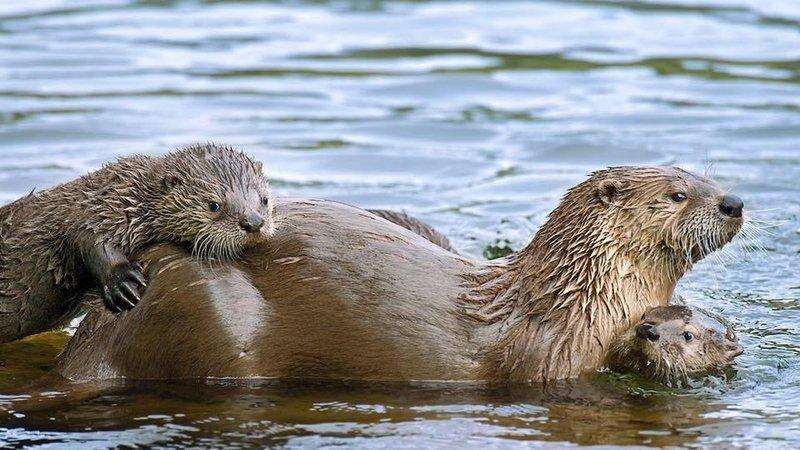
column 669, row 209
column 674, row 342
column 214, row 199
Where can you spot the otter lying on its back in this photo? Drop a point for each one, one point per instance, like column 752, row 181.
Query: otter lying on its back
column 671, row 343
column 58, row 243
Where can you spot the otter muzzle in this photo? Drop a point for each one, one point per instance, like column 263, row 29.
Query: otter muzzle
column 647, row 331
column 251, row 223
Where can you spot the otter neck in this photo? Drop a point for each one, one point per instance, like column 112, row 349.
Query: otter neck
column 560, row 301
column 140, row 197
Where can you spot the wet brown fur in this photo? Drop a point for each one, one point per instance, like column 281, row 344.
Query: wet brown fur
column 417, row 226
column 345, row 294
column 129, row 204
column 614, row 247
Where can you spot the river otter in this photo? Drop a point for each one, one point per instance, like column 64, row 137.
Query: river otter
column 615, row 246
column 670, row 343
column 346, row 294
column 60, row 242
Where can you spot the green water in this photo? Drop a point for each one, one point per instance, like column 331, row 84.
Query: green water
column 474, row 116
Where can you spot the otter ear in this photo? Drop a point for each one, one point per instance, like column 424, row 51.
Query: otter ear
column 730, row 334
column 170, row 181
column 258, row 166
column 607, row 190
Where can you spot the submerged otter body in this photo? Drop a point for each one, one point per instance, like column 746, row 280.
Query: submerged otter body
column 59, row 243
column 343, row 294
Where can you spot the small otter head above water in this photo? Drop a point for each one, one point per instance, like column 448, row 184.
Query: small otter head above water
column 673, row 342
column 685, row 214
column 216, row 200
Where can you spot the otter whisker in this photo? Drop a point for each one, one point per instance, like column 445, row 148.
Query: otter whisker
column 759, row 211
column 750, row 240
column 200, row 257
column 197, row 249
column 199, row 246
column 204, row 241
column 708, row 171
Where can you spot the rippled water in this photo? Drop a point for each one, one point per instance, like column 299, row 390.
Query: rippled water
column 472, row 115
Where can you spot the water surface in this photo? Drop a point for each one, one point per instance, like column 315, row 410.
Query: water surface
column 474, row 116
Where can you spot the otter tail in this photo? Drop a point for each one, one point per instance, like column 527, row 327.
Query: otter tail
column 417, row 226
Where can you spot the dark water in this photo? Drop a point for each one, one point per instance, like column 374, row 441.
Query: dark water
column 474, row 116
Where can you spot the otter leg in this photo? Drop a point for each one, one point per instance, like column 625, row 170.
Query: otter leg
column 120, row 280
column 10, row 326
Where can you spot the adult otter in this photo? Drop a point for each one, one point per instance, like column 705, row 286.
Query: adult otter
column 60, row 242
column 673, row 342
column 345, row 294
column 669, row 344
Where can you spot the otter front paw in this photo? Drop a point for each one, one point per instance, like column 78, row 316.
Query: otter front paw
column 123, row 290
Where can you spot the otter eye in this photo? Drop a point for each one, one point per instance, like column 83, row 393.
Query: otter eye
column 688, row 336
column 265, row 201
column 214, row 207
column 677, row 197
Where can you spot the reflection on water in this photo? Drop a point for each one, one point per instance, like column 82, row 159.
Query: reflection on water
column 474, row 116
column 420, row 415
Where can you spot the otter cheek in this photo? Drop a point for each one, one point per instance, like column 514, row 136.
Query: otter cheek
column 672, row 235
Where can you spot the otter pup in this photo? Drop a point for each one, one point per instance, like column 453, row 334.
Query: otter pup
column 343, row 294
column 671, row 343
column 58, row 243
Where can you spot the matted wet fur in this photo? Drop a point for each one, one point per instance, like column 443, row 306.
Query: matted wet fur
column 669, row 344
column 615, row 246
column 347, row 295
column 60, row 242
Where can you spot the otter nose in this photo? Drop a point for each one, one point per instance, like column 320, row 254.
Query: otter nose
column 647, row 331
column 731, row 206
column 251, row 223
column 734, row 350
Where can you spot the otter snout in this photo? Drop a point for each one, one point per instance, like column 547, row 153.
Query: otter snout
column 731, row 206
column 647, row 331
column 733, row 349
column 251, row 222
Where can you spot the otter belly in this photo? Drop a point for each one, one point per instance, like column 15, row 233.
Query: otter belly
column 195, row 320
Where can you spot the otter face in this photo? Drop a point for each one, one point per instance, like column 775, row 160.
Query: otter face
column 217, row 201
column 685, row 213
column 675, row 342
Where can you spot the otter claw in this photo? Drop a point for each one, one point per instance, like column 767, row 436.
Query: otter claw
column 136, row 275
column 108, row 301
column 123, row 293
column 129, row 293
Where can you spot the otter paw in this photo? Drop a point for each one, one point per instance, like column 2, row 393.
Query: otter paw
column 123, row 291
